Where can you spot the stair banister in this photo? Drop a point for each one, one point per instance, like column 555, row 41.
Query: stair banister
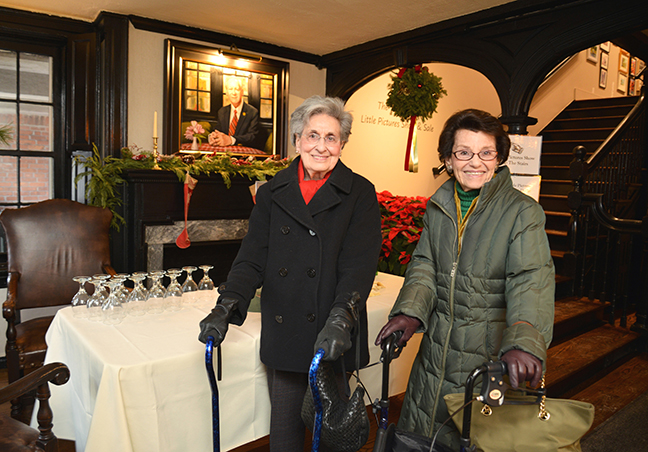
column 616, row 135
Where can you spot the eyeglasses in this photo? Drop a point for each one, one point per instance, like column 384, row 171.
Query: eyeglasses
column 314, row 138
column 485, row 155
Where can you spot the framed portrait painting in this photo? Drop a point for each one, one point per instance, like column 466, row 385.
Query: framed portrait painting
column 224, row 101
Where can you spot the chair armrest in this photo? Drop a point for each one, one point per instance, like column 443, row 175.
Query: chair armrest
column 9, row 306
column 109, row 270
column 56, row 373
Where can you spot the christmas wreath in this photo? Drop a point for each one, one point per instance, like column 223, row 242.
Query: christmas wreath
column 414, row 91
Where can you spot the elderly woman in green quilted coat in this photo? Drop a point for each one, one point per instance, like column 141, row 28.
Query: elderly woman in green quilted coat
column 480, row 285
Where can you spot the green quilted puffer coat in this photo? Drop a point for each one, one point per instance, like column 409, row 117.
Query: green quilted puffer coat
column 470, row 297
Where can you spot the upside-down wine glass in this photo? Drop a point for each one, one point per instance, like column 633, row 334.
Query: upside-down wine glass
column 206, row 283
column 138, row 295
column 80, row 299
column 154, row 304
column 95, row 301
column 189, row 287
column 122, row 291
column 112, row 310
column 173, row 296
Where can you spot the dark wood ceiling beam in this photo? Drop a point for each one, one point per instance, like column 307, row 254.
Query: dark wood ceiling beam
column 514, row 46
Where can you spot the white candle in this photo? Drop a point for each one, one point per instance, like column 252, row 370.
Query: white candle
column 155, row 124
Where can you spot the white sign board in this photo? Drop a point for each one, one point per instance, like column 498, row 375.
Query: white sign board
column 529, row 185
column 524, row 157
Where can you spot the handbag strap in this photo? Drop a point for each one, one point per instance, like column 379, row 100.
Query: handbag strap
column 543, row 414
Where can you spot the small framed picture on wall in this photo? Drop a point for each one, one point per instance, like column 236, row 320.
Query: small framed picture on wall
column 605, row 46
column 631, row 87
column 603, row 78
column 622, row 83
column 633, row 66
column 604, row 60
column 592, row 54
column 624, row 62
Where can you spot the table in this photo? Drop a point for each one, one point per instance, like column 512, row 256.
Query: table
column 142, row 385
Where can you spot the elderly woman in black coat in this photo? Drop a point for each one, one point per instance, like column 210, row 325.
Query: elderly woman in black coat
column 313, row 240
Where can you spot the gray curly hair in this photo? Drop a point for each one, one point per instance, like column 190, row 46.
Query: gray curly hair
column 318, row 105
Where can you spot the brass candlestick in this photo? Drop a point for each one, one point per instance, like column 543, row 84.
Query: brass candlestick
column 155, row 153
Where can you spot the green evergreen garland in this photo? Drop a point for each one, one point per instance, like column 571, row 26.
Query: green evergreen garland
column 106, row 174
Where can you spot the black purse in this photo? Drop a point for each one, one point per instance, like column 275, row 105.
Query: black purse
column 345, row 424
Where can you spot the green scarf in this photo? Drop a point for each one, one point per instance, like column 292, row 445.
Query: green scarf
column 466, row 198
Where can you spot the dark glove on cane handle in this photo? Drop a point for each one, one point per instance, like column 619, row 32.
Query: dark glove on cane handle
column 335, row 337
column 217, row 321
column 408, row 325
column 522, row 366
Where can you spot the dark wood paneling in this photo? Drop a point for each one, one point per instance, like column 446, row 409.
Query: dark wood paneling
column 82, row 91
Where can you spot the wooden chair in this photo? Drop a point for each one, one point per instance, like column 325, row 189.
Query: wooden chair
column 18, row 437
column 48, row 244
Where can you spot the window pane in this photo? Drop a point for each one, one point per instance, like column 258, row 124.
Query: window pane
column 35, row 179
column 191, row 100
column 8, row 118
column 35, row 77
column 7, row 74
column 191, row 81
column 205, row 80
column 205, row 102
column 36, row 127
column 8, row 179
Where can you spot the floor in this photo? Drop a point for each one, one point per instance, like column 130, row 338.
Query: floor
column 25, row 415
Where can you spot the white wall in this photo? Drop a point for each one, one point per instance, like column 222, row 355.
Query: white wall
column 146, row 67
column 577, row 80
column 377, row 150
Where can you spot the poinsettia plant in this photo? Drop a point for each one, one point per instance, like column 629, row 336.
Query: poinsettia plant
column 402, row 223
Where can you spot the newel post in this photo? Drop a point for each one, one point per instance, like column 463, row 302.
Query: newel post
column 572, row 260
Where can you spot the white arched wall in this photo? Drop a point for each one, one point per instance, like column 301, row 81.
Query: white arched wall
column 377, row 145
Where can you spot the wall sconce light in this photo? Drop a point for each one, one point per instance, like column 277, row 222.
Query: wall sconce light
column 235, row 52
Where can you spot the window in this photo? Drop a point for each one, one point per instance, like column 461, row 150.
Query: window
column 26, row 162
column 28, row 106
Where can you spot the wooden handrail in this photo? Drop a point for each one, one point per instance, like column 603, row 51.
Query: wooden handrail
column 616, row 135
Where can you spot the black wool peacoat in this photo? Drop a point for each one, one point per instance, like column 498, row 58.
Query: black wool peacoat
column 308, row 259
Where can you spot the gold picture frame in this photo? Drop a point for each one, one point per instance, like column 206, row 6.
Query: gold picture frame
column 199, row 82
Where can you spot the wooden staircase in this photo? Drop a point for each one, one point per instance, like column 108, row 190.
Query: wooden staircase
column 589, row 359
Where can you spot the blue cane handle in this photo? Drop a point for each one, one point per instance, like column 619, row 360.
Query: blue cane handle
column 214, row 390
column 312, row 381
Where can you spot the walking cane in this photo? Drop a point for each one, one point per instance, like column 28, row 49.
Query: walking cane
column 214, row 388
column 312, row 381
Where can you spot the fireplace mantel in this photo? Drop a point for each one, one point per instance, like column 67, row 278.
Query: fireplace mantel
column 153, row 207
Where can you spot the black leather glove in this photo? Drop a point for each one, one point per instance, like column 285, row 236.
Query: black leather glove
column 522, row 366
column 335, row 337
column 408, row 325
column 217, row 322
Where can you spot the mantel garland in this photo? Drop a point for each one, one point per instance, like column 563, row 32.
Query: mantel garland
column 414, row 93
column 106, row 174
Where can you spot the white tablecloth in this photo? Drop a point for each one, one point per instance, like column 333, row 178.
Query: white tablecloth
column 142, row 385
